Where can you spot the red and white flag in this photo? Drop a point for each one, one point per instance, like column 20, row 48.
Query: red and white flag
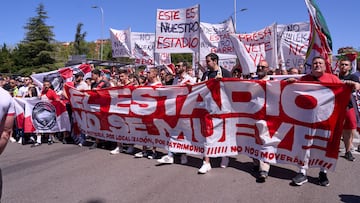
column 59, row 77
column 320, row 43
column 34, row 115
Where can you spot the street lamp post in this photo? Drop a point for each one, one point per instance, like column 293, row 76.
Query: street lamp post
column 235, row 11
column 102, row 30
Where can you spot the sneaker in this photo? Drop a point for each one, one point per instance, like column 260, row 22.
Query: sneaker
column 323, row 180
column 349, row 156
column 36, row 144
column 153, row 155
column 166, row 160
column 94, row 146
column 50, row 142
column 206, row 167
column 20, row 140
column 12, row 139
column 115, row 151
column 224, row 162
column 32, row 140
column 183, row 159
column 300, row 179
column 140, row 154
column 262, row 176
column 80, row 145
column 130, row 150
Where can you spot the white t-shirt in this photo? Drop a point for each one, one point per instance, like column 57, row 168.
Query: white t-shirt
column 186, row 80
column 82, row 86
column 22, row 91
column 6, row 104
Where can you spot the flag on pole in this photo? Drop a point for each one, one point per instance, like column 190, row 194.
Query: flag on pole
column 320, row 43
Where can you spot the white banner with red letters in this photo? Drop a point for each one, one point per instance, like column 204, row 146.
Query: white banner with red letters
column 142, row 49
column 215, row 38
column 178, row 30
column 259, row 45
column 34, row 115
column 276, row 121
column 293, row 41
column 120, row 43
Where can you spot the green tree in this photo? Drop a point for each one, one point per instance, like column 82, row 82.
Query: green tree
column 6, row 62
column 36, row 50
column 80, row 45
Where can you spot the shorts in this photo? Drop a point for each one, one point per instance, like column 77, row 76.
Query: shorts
column 350, row 120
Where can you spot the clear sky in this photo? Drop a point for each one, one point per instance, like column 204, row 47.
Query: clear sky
column 341, row 16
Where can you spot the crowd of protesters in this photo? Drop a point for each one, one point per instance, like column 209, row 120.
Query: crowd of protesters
column 179, row 73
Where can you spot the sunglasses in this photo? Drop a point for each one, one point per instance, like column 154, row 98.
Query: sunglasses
column 261, row 66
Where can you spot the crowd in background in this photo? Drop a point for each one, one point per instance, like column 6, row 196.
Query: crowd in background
column 179, row 73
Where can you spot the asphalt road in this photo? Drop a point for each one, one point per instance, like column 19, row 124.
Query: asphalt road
column 68, row 173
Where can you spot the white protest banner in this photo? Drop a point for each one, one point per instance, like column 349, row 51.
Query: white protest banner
column 293, row 27
column 41, row 116
column 162, row 58
column 215, row 38
column 246, row 62
column 293, row 41
column 120, row 43
column 275, row 121
column 293, row 48
column 260, row 45
column 177, row 30
column 142, row 46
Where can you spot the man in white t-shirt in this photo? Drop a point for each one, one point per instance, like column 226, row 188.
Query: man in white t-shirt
column 182, row 78
column 7, row 114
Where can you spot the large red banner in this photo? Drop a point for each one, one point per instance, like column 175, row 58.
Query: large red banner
column 296, row 123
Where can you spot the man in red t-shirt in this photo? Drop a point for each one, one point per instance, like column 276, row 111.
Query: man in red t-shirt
column 318, row 73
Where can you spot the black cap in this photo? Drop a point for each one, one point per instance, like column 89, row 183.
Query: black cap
column 96, row 72
column 79, row 74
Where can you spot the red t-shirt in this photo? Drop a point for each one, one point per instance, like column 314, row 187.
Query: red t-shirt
column 49, row 95
column 326, row 77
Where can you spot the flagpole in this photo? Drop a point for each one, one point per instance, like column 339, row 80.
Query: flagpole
column 235, row 15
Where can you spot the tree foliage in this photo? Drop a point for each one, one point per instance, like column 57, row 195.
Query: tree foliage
column 37, row 49
column 79, row 42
